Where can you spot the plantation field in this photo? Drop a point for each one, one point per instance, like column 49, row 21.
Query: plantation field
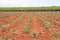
column 43, row 25
column 52, row 8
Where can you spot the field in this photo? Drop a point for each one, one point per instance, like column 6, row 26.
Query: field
column 41, row 25
column 52, row 8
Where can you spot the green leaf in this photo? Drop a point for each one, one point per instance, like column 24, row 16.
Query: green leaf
column 5, row 38
column 34, row 35
column 4, row 26
column 14, row 31
column 25, row 28
column 47, row 24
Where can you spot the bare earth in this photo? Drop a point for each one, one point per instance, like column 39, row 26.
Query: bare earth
column 30, row 25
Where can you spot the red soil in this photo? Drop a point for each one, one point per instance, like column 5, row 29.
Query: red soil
column 11, row 26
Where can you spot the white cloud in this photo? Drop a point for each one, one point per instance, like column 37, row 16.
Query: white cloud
column 23, row 3
column 9, row 1
column 16, row 2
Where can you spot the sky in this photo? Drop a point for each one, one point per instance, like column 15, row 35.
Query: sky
column 28, row 3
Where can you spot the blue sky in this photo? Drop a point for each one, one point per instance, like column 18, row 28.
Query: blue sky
column 28, row 3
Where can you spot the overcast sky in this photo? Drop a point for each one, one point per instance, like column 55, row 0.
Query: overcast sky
column 28, row 3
